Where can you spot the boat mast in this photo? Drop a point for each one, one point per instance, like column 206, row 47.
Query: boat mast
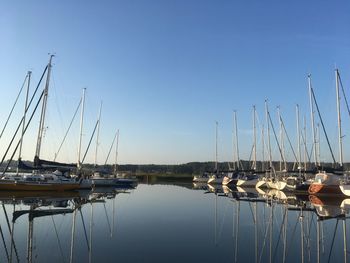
column 254, row 134
column 312, row 120
column 281, row 137
column 116, row 154
column 81, row 127
column 98, row 133
column 43, row 112
column 339, row 119
column 318, row 136
column 268, row 133
column 263, row 148
column 216, row 146
column 233, row 145
column 24, row 119
column 236, row 137
column 305, row 146
column 298, row 136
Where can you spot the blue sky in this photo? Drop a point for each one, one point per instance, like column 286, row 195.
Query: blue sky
column 167, row 70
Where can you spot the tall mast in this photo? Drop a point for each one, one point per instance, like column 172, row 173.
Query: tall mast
column 305, row 146
column 81, row 127
column 233, row 147
column 312, row 120
column 24, row 118
column 281, row 136
column 298, row 136
column 116, row 154
column 339, row 119
column 318, row 136
column 254, row 134
column 268, row 133
column 43, row 111
column 98, row 133
column 236, row 137
column 216, row 146
column 263, row 148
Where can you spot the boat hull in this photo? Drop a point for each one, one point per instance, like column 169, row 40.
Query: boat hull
column 215, row 181
column 317, row 188
column 278, row 185
column 229, row 181
column 247, row 183
column 200, row 179
column 25, row 186
column 261, row 183
column 345, row 189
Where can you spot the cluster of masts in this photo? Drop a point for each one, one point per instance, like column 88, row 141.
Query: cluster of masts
column 42, row 178
column 307, row 176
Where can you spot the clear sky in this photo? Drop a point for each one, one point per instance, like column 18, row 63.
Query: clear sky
column 166, row 70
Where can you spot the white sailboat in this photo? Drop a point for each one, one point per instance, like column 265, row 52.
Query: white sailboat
column 217, row 177
column 250, row 179
column 231, row 177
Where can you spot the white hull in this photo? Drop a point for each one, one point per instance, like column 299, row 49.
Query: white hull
column 345, row 188
column 200, row 179
column 260, row 183
column 278, row 185
column 277, row 194
column 226, row 180
column 247, row 183
column 215, row 180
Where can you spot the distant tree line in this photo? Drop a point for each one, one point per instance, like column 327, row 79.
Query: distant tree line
column 187, row 168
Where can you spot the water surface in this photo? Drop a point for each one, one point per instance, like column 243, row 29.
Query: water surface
column 173, row 222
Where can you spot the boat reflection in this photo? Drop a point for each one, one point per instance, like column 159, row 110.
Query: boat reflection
column 26, row 208
column 279, row 218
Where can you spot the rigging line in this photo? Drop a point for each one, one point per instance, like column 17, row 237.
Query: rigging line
column 307, row 153
column 110, row 149
column 19, row 125
column 109, row 225
column 251, row 210
column 14, row 105
column 274, row 132
column 86, row 238
column 70, row 125
column 342, row 88
column 280, row 233
column 58, row 239
column 9, row 227
column 266, row 232
column 87, row 149
column 250, row 157
column 323, row 127
column 5, row 247
column 223, row 221
column 290, row 144
column 30, row 119
column 331, row 249
column 293, row 234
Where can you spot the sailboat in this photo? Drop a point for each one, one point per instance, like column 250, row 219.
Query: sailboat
column 103, row 178
column 298, row 181
column 231, row 177
column 250, row 179
column 216, row 177
column 56, row 181
column 327, row 180
column 270, row 179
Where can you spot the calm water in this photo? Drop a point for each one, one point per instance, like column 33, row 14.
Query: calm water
column 173, row 222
